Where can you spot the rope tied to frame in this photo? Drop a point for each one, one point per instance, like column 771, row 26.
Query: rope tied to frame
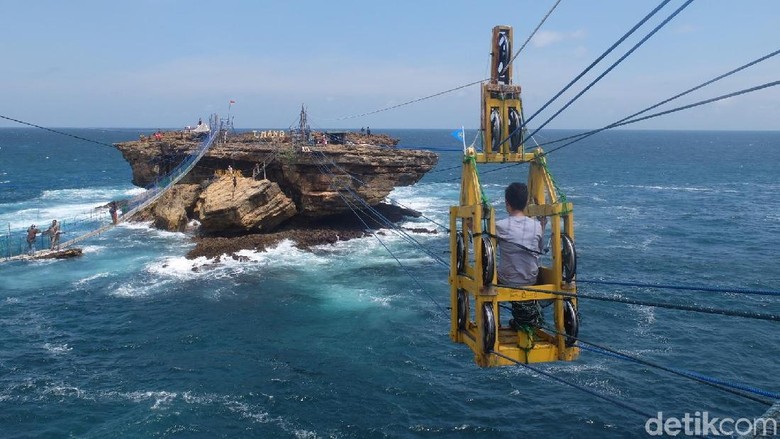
column 529, row 332
column 542, row 160
column 483, row 197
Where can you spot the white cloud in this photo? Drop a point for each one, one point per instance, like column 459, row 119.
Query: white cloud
column 548, row 38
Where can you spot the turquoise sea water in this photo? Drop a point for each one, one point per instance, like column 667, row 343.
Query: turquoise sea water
column 134, row 340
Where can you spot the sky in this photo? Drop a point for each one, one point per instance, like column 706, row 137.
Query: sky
column 165, row 63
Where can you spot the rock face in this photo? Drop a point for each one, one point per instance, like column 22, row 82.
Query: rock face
column 297, row 190
column 174, row 208
column 235, row 205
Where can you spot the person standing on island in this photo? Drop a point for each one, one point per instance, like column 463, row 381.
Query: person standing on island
column 368, row 131
column 54, row 234
column 31, row 233
column 520, row 246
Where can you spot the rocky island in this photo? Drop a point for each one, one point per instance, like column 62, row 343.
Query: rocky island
column 250, row 191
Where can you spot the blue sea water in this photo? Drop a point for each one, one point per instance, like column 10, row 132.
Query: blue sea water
column 134, row 340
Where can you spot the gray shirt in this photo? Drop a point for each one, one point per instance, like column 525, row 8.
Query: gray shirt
column 516, row 265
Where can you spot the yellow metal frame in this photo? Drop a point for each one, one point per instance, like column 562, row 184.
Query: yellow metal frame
column 472, row 213
column 477, row 222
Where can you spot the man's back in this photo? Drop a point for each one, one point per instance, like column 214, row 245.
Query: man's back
column 517, row 235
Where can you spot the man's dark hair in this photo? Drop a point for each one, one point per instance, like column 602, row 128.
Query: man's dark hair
column 516, row 194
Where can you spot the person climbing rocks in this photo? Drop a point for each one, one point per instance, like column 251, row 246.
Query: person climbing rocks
column 31, row 233
column 54, row 234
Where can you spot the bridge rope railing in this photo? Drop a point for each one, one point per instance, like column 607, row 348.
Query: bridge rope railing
column 98, row 220
column 161, row 186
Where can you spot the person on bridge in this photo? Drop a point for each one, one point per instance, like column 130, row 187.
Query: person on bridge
column 54, row 234
column 113, row 210
column 31, row 233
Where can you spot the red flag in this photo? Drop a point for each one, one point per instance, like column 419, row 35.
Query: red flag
column 232, row 101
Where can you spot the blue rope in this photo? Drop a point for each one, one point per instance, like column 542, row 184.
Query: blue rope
column 626, row 35
column 593, row 64
column 409, row 238
column 56, row 132
column 406, row 270
column 614, row 401
column 663, row 113
column 325, row 157
column 408, row 273
column 683, row 287
column 381, row 219
column 636, row 46
column 689, row 374
column 674, row 306
column 665, row 101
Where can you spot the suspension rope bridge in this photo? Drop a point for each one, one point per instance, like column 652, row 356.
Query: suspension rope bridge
column 99, row 221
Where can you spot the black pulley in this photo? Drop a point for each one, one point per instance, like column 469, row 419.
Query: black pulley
column 569, row 258
column 516, row 135
column 488, row 261
column 460, row 254
column 495, row 129
column 463, row 308
column 504, row 57
column 571, row 322
column 488, row 327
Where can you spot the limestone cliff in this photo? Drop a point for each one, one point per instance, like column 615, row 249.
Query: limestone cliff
column 276, row 180
column 237, row 205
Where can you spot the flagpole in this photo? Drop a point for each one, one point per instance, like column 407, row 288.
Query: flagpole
column 463, row 137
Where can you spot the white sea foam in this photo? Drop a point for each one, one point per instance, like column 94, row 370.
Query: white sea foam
column 91, row 194
column 161, row 399
column 64, row 205
column 63, row 390
column 57, row 349
column 283, row 255
column 677, row 188
column 147, row 226
column 178, row 267
column 138, row 289
column 92, row 249
column 370, row 251
column 89, row 279
column 42, row 215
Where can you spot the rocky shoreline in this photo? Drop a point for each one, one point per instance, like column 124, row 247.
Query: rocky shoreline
column 250, row 193
column 305, row 235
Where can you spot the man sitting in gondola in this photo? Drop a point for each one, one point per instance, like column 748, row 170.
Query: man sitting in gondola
column 520, row 246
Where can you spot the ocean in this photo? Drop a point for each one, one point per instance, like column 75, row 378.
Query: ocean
column 134, row 340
